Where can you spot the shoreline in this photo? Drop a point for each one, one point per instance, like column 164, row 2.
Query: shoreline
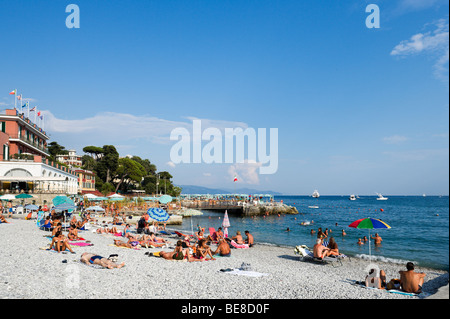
column 30, row 273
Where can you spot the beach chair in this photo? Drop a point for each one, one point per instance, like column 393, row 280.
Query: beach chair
column 212, row 233
column 307, row 255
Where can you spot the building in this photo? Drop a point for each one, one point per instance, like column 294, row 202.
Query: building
column 19, row 135
column 71, row 159
column 24, row 166
column 86, row 181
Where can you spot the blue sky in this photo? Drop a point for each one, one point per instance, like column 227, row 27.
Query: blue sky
column 358, row 110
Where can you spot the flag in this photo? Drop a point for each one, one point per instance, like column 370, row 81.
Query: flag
column 33, row 109
column 24, row 105
column 19, row 97
column 41, row 117
column 39, row 113
column 12, row 92
column 235, row 178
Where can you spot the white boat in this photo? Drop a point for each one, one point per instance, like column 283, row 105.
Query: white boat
column 316, row 194
column 381, row 197
column 315, row 207
column 352, row 197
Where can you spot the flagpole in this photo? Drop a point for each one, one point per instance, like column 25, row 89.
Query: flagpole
column 15, row 99
column 35, row 112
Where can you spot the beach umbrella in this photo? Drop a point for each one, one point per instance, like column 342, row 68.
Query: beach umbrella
column 7, row 197
column 90, row 196
column 369, row 223
column 95, row 209
column 225, row 224
column 58, row 200
column 165, row 199
column 116, row 196
column 158, row 214
column 24, row 196
column 31, row 207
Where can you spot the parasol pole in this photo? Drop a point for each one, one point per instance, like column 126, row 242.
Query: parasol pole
column 370, row 255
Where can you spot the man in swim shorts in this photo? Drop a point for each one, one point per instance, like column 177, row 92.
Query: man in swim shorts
column 93, row 259
column 411, row 281
column 223, row 249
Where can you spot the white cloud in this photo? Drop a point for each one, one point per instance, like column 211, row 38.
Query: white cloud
column 245, row 172
column 395, row 139
column 121, row 127
column 171, row 164
column 434, row 42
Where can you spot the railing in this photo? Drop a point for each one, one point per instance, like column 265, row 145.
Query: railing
column 30, row 142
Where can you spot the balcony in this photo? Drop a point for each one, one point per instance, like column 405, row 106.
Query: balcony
column 29, row 142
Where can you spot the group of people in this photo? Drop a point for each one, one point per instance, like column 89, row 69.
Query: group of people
column 409, row 281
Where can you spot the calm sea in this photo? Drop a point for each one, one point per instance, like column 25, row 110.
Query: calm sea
column 419, row 226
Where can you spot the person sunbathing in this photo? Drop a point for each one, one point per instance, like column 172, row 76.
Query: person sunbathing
column 179, row 253
column 376, row 279
column 411, row 281
column 119, row 243
column 60, row 243
column 3, row 219
column 203, row 250
column 333, row 246
column 93, row 259
column 238, row 238
column 73, row 233
column 223, row 249
column 320, row 251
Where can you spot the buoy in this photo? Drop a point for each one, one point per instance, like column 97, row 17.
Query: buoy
column 381, row 209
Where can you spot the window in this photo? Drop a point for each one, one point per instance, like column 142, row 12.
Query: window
column 3, row 126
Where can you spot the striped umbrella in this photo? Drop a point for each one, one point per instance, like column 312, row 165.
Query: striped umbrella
column 369, row 223
column 225, row 224
column 158, row 214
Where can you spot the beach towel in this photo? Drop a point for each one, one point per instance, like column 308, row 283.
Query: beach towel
column 80, row 244
column 135, row 248
column 240, row 272
column 236, row 245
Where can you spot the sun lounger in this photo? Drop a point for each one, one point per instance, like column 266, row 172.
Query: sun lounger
column 307, row 255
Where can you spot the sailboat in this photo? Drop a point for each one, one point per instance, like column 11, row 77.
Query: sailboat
column 381, row 197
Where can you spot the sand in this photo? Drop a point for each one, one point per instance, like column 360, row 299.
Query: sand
column 29, row 272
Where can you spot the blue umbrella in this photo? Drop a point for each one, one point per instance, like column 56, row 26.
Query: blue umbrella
column 165, row 199
column 158, row 214
column 64, row 206
column 31, row 207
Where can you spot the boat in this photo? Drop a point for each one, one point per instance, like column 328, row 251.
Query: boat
column 381, row 197
column 315, row 207
column 352, row 197
column 316, row 194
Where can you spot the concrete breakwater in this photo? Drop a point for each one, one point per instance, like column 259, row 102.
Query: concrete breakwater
column 242, row 208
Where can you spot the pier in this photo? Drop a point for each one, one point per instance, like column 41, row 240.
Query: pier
column 244, row 208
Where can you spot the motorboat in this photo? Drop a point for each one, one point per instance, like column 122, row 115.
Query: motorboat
column 381, row 197
column 352, row 197
column 316, row 194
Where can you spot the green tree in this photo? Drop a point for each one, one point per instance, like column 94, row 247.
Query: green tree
column 94, row 151
column 88, row 162
column 107, row 165
column 55, row 149
column 129, row 171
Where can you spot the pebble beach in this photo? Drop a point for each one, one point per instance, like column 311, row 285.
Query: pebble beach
column 29, row 272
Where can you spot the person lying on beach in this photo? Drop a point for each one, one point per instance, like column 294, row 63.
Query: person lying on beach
column 3, row 219
column 73, row 233
column 93, row 259
column 320, row 251
column 60, row 243
column 376, row 279
column 377, row 239
column 177, row 254
column 223, row 249
column 238, row 238
column 249, row 240
column 147, row 240
column 119, row 243
column 411, row 281
column 203, row 250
